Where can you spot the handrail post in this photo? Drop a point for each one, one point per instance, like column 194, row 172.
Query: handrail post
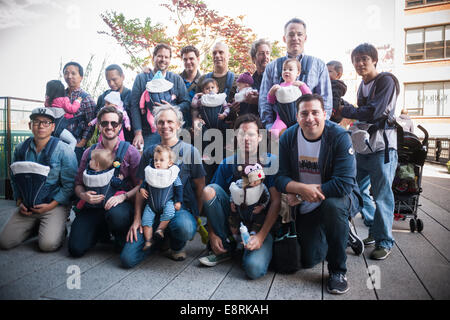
column 8, row 145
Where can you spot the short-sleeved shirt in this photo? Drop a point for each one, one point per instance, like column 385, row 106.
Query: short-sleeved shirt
column 189, row 161
column 128, row 167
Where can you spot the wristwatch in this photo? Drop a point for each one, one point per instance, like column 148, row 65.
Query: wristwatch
column 299, row 198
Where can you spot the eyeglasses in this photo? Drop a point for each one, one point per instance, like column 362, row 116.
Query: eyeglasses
column 105, row 124
column 45, row 124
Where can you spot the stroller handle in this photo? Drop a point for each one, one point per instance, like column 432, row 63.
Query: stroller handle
column 425, row 132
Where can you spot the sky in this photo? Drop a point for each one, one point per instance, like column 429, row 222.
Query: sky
column 36, row 36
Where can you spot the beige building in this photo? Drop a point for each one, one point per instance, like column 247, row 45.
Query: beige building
column 422, row 62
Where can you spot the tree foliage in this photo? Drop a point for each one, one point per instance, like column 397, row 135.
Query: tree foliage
column 196, row 25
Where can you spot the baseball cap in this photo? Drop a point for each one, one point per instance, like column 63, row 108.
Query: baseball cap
column 42, row 111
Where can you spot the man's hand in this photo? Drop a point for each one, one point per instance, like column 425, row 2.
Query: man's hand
column 43, row 207
column 81, row 144
column 312, row 193
column 92, row 197
column 144, row 193
column 235, row 106
column 252, row 97
column 255, row 242
column 132, row 233
column 23, row 210
column 163, row 102
column 216, row 243
column 138, row 140
column 292, row 200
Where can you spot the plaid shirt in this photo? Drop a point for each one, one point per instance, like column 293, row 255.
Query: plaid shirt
column 318, row 81
column 86, row 112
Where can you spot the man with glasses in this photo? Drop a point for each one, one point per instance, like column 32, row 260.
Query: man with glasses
column 101, row 216
column 314, row 72
column 46, row 208
column 375, row 141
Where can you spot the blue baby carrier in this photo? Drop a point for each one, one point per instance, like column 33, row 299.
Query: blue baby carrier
column 158, row 197
column 105, row 182
column 189, row 199
column 288, row 111
column 31, row 177
column 158, row 97
column 62, row 122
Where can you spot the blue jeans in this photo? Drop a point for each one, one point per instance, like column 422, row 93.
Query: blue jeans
column 148, row 217
column 323, row 234
column 181, row 229
column 378, row 216
column 256, row 262
column 94, row 224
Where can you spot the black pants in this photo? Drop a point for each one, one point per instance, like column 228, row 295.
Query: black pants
column 323, row 234
column 94, row 224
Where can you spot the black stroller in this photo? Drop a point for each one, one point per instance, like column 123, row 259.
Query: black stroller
column 407, row 185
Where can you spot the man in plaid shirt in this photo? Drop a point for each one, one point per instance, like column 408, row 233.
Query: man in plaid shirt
column 73, row 75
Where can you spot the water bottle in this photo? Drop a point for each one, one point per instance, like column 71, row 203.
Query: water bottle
column 245, row 236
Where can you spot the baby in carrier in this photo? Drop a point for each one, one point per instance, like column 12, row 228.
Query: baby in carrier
column 164, row 193
column 113, row 99
column 99, row 176
column 284, row 96
column 157, row 90
column 63, row 109
column 210, row 107
column 249, row 196
column 244, row 85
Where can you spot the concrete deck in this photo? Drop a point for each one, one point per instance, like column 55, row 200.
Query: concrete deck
column 418, row 267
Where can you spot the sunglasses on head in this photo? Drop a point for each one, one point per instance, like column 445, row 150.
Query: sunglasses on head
column 105, row 124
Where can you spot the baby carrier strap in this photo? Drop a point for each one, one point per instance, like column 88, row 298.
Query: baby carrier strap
column 387, row 118
column 46, row 153
column 228, row 84
column 306, row 63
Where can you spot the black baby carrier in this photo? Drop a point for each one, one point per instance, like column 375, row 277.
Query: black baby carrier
column 106, row 182
column 31, row 177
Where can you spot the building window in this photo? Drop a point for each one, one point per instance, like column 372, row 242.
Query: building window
column 418, row 3
column 428, row 43
column 428, row 98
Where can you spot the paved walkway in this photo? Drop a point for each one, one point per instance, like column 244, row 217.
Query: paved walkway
column 418, row 267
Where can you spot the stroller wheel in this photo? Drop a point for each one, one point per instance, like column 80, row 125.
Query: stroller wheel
column 412, row 225
column 419, row 225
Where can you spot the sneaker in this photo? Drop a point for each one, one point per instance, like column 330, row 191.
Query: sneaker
column 337, row 283
column 354, row 241
column 178, row 255
column 369, row 241
column 380, row 253
column 213, row 259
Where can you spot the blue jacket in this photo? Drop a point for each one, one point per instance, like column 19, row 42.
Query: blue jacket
column 337, row 163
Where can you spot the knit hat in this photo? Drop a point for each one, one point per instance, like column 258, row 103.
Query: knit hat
column 246, row 77
column 114, row 98
column 158, row 84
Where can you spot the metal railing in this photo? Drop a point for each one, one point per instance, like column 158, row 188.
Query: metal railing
column 14, row 119
column 438, row 150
